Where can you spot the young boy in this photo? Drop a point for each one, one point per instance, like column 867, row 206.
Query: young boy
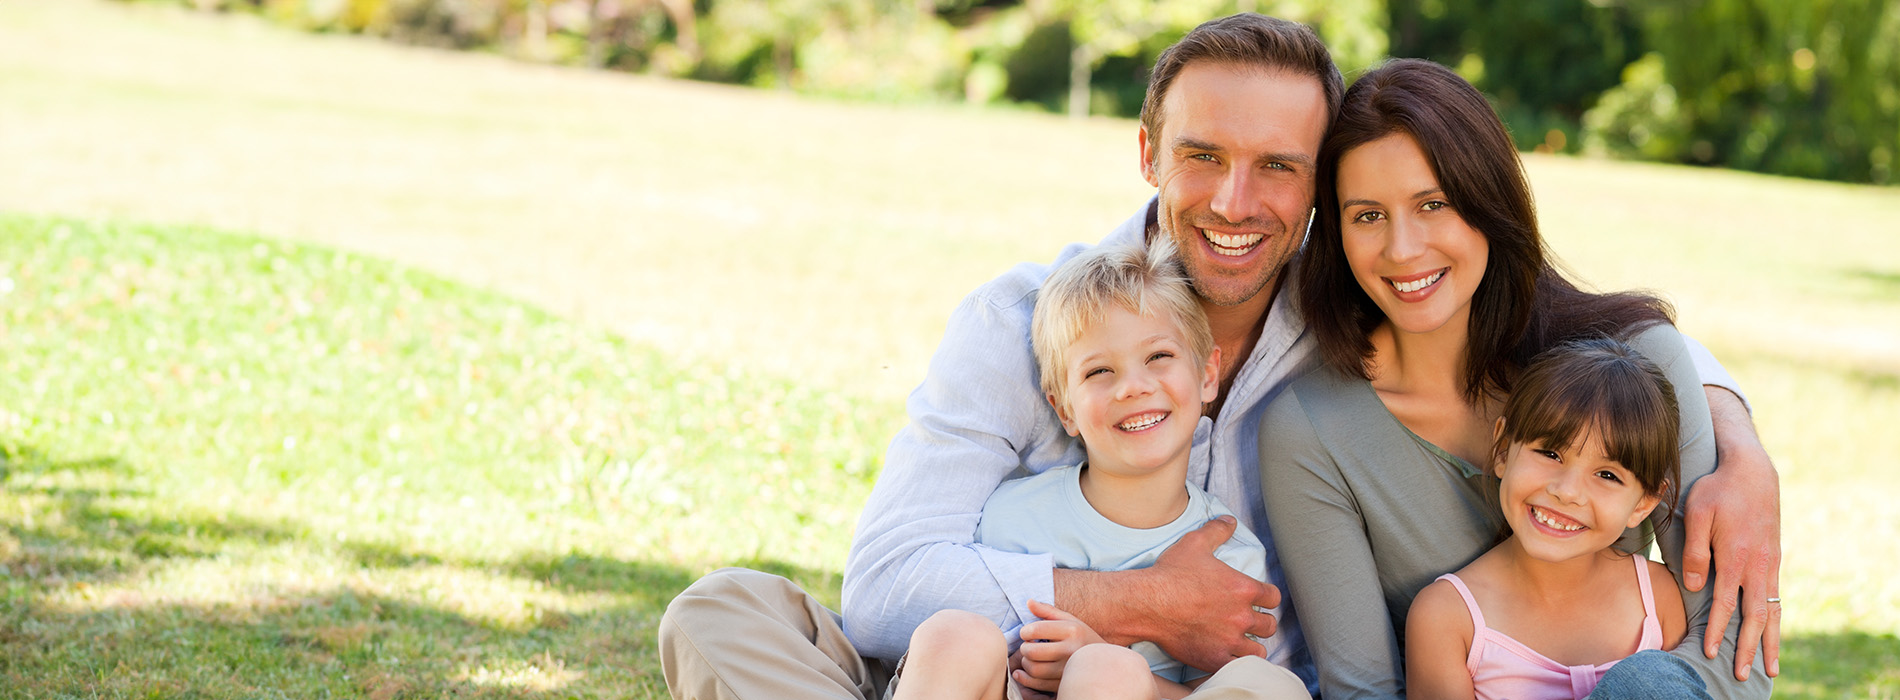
column 1127, row 362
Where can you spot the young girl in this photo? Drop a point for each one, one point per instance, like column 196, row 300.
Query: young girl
column 1585, row 449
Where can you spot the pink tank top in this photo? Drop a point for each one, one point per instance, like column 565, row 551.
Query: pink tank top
column 1502, row 667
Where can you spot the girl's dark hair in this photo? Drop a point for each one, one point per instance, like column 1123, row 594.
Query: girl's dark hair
column 1601, row 386
column 1523, row 304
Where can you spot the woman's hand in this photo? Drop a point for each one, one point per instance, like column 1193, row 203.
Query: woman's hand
column 1047, row 645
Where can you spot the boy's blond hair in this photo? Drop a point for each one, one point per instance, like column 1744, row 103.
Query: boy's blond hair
column 1144, row 280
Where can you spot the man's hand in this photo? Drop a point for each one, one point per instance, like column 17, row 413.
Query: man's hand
column 1047, row 645
column 1734, row 516
column 1196, row 607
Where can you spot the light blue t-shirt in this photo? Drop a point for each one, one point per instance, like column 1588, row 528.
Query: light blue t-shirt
column 1047, row 514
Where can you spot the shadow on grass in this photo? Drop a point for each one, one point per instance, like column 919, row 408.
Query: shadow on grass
column 1843, row 664
column 86, row 610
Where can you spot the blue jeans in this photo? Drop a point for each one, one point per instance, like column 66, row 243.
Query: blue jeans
column 1650, row 674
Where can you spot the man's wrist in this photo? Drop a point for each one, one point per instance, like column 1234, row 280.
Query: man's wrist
column 1103, row 600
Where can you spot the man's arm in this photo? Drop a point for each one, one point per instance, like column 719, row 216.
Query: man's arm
column 1734, row 519
column 1190, row 603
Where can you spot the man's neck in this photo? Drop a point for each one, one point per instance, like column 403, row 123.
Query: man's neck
column 1236, row 330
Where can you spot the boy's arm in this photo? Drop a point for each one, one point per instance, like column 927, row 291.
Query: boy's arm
column 1438, row 634
column 1734, row 520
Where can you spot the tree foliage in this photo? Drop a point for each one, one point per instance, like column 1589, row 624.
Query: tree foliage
column 1800, row 87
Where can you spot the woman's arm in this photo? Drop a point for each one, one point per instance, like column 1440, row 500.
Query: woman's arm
column 1664, row 346
column 1438, row 636
column 1333, row 583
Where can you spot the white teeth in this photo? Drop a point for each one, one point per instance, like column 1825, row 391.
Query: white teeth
column 1547, row 520
column 1141, row 422
column 1418, row 284
column 1233, row 244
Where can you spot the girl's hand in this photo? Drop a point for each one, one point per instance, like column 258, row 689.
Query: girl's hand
column 1047, row 645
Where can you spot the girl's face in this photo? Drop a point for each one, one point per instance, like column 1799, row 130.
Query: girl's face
column 1409, row 250
column 1568, row 501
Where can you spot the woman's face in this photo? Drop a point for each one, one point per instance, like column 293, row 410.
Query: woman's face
column 1409, row 250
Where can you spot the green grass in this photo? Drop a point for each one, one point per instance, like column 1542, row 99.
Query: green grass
column 234, row 466
column 503, row 356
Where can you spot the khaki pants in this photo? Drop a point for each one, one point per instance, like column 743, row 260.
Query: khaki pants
column 740, row 634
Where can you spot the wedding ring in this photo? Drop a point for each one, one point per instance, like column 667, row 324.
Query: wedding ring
column 1776, row 599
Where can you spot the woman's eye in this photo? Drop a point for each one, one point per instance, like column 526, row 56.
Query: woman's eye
column 1436, row 205
column 1366, row 217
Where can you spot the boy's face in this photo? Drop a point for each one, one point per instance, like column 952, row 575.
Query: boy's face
column 1135, row 392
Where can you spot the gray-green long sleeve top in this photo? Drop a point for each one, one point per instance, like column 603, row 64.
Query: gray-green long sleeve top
column 1365, row 514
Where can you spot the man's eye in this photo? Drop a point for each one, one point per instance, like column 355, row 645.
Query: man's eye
column 1206, row 157
column 1277, row 165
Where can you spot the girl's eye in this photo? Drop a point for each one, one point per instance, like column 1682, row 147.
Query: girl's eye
column 1550, row 455
column 1609, row 475
column 1368, row 216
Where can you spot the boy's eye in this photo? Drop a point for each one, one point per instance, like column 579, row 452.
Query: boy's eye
column 1160, row 356
column 1093, row 372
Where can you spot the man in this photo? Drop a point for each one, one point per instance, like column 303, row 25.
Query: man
column 1230, row 137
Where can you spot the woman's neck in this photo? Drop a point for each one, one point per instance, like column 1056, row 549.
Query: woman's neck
column 1141, row 502
column 1412, row 363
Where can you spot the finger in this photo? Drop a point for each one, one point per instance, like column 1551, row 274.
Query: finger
column 1033, row 683
column 1210, row 536
column 1249, row 647
column 1269, row 597
column 1264, row 625
column 1696, row 527
column 1049, row 612
column 1726, row 595
column 1771, row 640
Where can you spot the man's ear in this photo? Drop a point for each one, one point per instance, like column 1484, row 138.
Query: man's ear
column 1210, row 379
column 1147, row 159
column 1062, row 414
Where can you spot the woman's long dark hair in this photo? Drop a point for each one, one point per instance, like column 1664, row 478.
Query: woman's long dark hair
column 1523, row 304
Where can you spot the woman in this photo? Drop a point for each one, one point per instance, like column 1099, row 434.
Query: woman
column 1427, row 287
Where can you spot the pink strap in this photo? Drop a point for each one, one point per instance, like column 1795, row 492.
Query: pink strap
column 1652, row 625
column 1477, row 621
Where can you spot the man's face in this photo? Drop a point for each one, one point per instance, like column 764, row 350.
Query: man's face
column 1235, row 167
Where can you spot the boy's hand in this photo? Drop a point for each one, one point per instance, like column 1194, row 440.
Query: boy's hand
column 1047, row 645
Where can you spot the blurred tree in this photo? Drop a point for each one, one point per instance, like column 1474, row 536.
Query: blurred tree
column 1810, row 89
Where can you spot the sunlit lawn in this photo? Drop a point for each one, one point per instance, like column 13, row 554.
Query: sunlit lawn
column 239, row 466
